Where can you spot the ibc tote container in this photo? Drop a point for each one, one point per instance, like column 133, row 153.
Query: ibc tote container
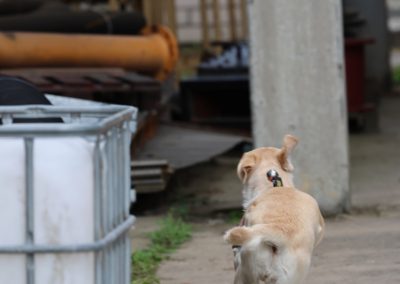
column 65, row 195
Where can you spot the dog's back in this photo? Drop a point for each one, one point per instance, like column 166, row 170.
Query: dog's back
column 283, row 227
column 261, row 260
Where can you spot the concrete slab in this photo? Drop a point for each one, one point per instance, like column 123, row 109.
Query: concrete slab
column 356, row 249
column 359, row 250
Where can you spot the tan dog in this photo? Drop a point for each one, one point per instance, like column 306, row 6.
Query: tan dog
column 282, row 224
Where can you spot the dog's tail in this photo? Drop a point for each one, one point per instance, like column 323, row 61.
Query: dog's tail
column 265, row 235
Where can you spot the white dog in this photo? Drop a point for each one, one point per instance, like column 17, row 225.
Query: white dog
column 282, row 225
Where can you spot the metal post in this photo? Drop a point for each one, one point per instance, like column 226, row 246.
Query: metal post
column 97, row 206
column 127, row 195
column 29, row 210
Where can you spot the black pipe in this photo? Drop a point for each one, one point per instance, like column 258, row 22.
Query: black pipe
column 57, row 17
column 11, row 7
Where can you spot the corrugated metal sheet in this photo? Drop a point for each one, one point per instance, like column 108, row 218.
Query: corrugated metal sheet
column 183, row 147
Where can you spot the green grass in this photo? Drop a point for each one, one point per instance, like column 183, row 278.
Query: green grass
column 235, row 216
column 396, row 75
column 173, row 232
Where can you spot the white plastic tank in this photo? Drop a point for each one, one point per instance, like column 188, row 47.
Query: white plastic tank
column 63, row 208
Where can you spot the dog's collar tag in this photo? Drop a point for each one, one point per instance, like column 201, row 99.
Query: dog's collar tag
column 274, row 177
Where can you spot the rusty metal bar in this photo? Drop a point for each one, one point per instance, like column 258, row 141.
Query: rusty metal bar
column 154, row 53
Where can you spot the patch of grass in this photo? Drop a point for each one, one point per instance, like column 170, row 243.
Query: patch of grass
column 396, row 75
column 173, row 232
column 235, row 216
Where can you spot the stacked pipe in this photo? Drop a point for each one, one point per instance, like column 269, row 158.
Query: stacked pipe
column 154, row 53
column 57, row 17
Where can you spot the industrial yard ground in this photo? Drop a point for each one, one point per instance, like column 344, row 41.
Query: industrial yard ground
column 360, row 247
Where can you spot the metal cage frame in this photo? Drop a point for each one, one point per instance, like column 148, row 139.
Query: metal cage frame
column 109, row 127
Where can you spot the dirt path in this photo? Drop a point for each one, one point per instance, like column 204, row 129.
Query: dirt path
column 363, row 248
column 205, row 259
column 357, row 249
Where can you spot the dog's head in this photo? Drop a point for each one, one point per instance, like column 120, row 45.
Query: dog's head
column 254, row 165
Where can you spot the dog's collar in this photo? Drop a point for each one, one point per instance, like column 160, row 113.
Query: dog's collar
column 274, row 177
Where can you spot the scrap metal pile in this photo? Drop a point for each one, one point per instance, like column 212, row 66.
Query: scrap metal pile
column 219, row 93
column 233, row 60
column 92, row 54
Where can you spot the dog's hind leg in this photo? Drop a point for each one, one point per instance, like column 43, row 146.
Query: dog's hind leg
column 247, row 270
column 244, row 276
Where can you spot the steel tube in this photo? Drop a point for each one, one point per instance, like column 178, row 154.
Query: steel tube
column 111, row 237
column 50, row 129
column 29, row 220
column 154, row 53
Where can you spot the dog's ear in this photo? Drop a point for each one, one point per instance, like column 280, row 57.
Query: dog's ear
column 245, row 166
column 289, row 143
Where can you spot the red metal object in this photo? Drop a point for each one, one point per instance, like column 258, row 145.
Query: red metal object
column 355, row 74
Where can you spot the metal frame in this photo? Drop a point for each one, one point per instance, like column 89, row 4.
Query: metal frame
column 109, row 128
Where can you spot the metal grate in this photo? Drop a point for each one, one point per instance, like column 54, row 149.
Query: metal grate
column 108, row 129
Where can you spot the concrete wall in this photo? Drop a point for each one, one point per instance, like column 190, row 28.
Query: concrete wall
column 298, row 87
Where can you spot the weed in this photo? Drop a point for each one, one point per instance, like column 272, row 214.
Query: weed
column 235, row 216
column 396, row 75
column 172, row 233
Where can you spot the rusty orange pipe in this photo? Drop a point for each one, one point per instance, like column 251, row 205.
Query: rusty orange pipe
column 154, row 53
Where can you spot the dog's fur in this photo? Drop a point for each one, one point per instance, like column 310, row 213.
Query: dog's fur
column 282, row 224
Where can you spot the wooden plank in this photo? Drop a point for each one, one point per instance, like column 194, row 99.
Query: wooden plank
column 217, row 20
column 62, row 71
column 69, row 79
column 139, row 82
column 135, row 78
column 244, row 19
column 158, row 10
column 232, row 20
column 172, row 16
column 32, row 77
column 149, row 163
column 103, row 79
column 148, row 11
column 143, row 173
column 204, row 23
